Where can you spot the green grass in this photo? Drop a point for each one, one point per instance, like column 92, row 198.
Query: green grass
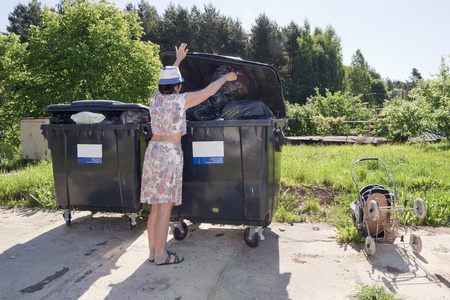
column 374, row 292
column 31, row 186
column 420, row 171
column 11, row 158
column 287, row 211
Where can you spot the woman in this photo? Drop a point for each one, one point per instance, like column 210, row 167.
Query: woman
column 163, row 162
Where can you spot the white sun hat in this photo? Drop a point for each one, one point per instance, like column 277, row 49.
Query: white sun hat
column 170, row 75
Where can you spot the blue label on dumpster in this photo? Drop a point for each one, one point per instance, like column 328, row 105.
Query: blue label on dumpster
column 207, row 153
column 89, row 153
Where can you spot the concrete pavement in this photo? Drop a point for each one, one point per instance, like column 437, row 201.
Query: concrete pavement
column 99, row 257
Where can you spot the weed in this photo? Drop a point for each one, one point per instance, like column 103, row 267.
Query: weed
column 31, row 186
column 348, row 234
column 283, row 216
column 11, row 158
column 286, row 211
column 312, row 206
column 374, row 292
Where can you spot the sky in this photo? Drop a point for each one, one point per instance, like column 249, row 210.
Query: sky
column 394, row 36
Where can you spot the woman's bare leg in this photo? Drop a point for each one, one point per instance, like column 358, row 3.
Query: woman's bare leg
column 151, row 225
column 162, row 226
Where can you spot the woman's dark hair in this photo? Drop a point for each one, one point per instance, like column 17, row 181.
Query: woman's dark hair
column 167, row 89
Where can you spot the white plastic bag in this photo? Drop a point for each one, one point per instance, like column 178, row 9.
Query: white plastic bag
column 86, row 117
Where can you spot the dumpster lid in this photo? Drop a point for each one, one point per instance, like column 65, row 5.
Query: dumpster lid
column 95, row 105
column 197, row 70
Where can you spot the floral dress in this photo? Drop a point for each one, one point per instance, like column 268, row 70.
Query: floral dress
column 162, row 174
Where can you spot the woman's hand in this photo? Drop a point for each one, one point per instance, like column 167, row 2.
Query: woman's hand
column 195, row 98
column 181, row 53
column 230, row 76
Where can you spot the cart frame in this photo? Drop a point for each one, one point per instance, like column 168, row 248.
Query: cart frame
column 379, row 214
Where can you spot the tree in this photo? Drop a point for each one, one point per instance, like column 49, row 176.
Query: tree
column 413, row 81
column 176, row 28
column 426, row 110
column 211, row 35
column 357, row 77
column 215, row 33
column 379, row 92
column 415, row 76
column 89, row 51
column 433, row 96
column 266, row 42
column 291, row 33
column 23, row 17
column 12, row 72
column 150, row 21
column 318, row 63
column 92, row 51
column 237, row 41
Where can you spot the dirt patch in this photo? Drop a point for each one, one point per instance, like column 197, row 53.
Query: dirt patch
column 324, row 195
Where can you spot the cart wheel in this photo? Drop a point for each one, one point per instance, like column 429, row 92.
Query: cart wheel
column 420, row 208
column 251, row 241
column 178, row 235
column 416, row 243
column 374, row 210
column 370, row 245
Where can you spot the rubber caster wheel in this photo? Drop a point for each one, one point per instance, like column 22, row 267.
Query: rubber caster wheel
column 374, row 210
column 370, row 246
column 251, row 241
column 68, row 219
column 178, row 235
column 416, row 243
column 420, row 208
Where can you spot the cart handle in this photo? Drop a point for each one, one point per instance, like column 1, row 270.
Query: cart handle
column 368, row 158
column 387, row 173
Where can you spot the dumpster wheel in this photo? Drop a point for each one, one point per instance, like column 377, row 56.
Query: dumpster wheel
column 178, row 234
column 251, row 241
column 132, row 220
column 67, row 216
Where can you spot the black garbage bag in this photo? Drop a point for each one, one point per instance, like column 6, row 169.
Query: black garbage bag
column 246, row 109
column 205, row 111
column 202, row 113
column 231, row 90
column 61, row 118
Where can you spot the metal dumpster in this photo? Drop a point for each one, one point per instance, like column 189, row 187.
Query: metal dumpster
column 231, row 167
column 97, row 167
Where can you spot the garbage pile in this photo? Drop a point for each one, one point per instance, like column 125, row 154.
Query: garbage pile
column 108, row 117
column 228, row 103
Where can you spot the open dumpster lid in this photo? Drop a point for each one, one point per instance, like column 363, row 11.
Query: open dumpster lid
column 197, row 70
column 95, row 105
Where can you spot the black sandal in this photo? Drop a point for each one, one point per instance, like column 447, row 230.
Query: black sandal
column 171, row 259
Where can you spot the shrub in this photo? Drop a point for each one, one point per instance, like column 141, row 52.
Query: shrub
column 326, row 115
column 428, row 110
